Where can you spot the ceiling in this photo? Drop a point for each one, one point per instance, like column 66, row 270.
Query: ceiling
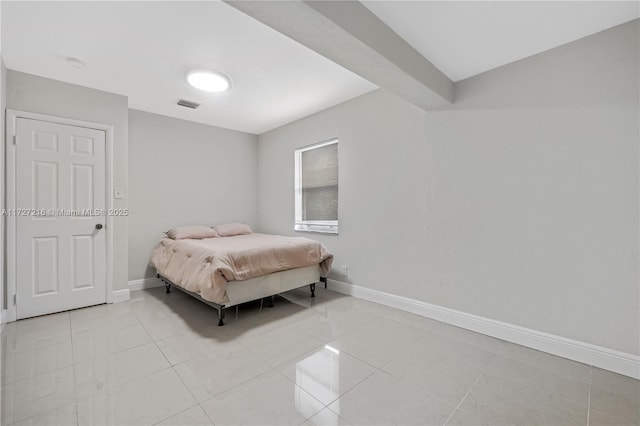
column 465, row 38
column 144, row 49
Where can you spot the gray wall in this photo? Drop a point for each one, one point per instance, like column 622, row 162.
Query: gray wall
column 518, row 203
column 3, row 105
column 184, row 173
column 45, row 96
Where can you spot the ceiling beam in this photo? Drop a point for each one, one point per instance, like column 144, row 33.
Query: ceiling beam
column 350, row 35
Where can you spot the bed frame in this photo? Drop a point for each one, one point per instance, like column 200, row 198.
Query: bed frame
column 262, row 287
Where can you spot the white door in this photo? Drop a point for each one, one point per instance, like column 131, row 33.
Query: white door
column 60, row 203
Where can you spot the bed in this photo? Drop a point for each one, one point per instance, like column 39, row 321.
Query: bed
column 226, row 265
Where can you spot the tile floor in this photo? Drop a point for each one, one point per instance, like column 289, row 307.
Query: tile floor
column 161, row 359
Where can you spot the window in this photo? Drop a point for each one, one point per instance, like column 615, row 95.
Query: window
column 316, row 187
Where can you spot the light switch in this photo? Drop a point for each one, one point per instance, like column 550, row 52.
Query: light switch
column 118, row 193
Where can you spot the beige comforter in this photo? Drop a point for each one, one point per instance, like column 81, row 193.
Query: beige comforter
column 205, row 266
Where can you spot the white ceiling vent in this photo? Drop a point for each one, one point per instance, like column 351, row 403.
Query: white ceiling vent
column 188, row 104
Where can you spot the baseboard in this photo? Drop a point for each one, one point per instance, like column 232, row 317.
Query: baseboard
column 597, row 356
column 3, row 319
column 145, row 283
column 121, row 295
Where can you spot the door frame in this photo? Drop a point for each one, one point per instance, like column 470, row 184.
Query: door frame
column 10, row 191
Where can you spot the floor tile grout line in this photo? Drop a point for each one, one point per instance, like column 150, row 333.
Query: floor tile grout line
column 162, row 353
column 23, row 351
column 108, row 354
column 487, row 369
column 316, row 413
column 107, row 331
column 562, row 373
column 172, row 367
column 373, row 371
column 354, row 356
column 73, row 371
column 106, row 328
column 376, row 370
column 200, row 355
column 488, row 364
column 241, row 343
column 234, row 386
column 433, row 395
column 37, row 414
column 153, row 339
column 107, row 388
column 322, row 404
column 111, row 387
column 175, row 414
column 285, row 376
column 39, row 374
column 206, row 414
column 49, row 372
column 463, row 398
column 284, row 363
column 337, row 414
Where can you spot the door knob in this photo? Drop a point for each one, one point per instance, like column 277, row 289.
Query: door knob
column 98, row 226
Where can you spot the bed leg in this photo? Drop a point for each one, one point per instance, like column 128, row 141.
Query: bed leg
column 324, row 280
column 313, row 289
column 270, row 305
column 168, row 287
column 220, row 316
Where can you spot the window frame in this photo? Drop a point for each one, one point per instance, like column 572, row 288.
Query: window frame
column 300, row 225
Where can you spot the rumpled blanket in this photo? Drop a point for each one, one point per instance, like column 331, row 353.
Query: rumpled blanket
column 205, row 266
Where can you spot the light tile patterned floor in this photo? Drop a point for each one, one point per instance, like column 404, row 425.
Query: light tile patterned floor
column 161, row 359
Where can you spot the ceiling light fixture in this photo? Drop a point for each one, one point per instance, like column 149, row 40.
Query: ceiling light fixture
column 75, row 63
column 209, row 81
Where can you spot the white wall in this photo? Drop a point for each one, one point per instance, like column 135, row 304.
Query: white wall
column 518, row 203
column 45, row 96
column 184, row 173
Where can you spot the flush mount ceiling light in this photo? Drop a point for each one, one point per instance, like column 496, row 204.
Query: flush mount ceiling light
column 209, row 81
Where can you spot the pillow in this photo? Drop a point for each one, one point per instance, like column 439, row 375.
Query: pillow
column 231, row 229
column 191, row 231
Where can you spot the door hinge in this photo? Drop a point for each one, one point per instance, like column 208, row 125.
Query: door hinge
column 14, row 139
column 15, row 299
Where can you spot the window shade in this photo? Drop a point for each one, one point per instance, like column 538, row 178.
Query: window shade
column 320, row 183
